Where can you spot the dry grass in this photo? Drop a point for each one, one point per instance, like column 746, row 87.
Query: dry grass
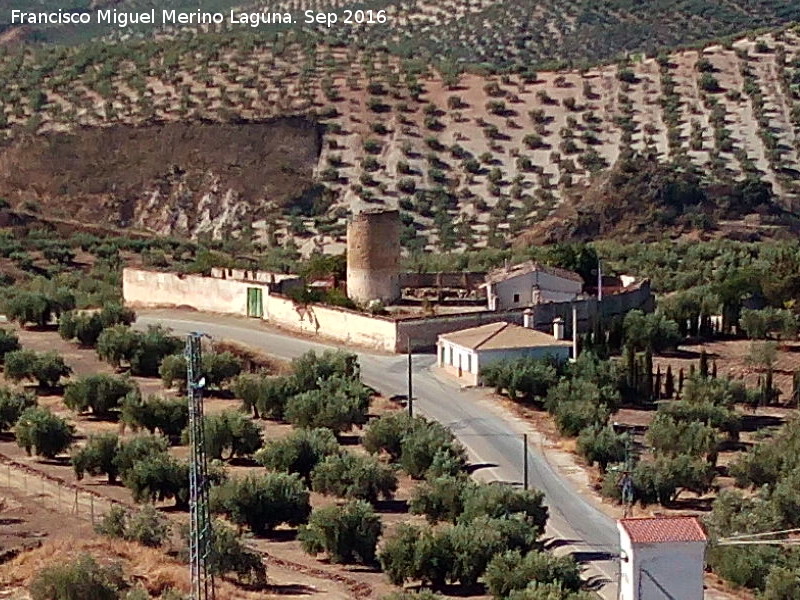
column 149, row 567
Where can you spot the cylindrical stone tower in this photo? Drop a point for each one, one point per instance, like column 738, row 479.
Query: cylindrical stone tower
column 373, row 256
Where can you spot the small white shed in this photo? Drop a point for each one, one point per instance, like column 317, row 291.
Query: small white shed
column 464, row 353
column 661, row 557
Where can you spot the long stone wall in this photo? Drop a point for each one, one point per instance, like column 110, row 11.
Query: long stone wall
column 155, row 289
column 143, row 288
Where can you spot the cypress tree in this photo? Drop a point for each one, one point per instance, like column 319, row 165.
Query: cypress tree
column 669, row 383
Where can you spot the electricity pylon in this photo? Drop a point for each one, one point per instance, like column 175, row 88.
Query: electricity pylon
column 200, row 527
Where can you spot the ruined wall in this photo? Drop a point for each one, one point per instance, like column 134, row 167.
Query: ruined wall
column 465, row 280
column 373, row 256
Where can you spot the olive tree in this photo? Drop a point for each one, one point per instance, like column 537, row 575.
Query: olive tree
column 347, row 533
column 40, row 431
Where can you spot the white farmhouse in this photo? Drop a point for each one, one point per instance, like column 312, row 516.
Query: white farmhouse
column 661, row 557
column 530, row 283
column 464, row 353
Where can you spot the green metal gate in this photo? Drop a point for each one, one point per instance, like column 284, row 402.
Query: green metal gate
column 255, row 302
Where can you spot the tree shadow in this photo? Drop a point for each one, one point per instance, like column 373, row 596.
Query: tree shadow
column 290, row 589
column 473, row 467
column 349, row 439
column 752, row 423
column 282, row 535
column 587, row 556
column 463, row 591
column 392, row 506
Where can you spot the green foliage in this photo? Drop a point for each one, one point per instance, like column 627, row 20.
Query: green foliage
column 759, row 324
column 144, row 351
column 169, row 416
column 387, row 432
column 265, row 396
column 651, row 331
column 428, row 446
column 670, row 437
column 662, row 480
column 86, row 327
column 440, row 498
column 12, row 405
column 514, row 571
column 43, row 433
column 549, row 591
column 499, row 501
column 233, row 432
column 338, row 404
column 347, row 533
column 421, row 594
column 47, row 368
column 311, row 369
column 8, row 343
column 230, row 555
column 29, row 307
column 158, row 477
column 263, row 502
column 137, row 449
column 98, row 456
column 299, row 452
column 523, row 378
column 146, row 526
column 601, row 445
column 101, row 393
column 79, row 579
column 355, row 477
column 578, row 404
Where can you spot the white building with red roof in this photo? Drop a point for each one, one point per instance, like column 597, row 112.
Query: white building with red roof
column 661, row 558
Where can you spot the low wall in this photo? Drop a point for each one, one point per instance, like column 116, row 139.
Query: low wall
column 156, row 289
column 339, row 324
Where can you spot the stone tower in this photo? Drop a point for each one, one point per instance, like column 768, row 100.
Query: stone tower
column 373, row 256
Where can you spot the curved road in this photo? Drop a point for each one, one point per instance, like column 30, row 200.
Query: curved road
column 494, row 442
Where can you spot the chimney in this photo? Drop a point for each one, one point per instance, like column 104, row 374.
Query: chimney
column 527, row 318
column 558, row 328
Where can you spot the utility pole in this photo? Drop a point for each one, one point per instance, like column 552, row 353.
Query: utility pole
column 525, row 461
column 410, row 394
column 200, row 526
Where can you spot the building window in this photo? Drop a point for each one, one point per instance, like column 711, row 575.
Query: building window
column 469, row 363
column 516, row 298
column 451, row 363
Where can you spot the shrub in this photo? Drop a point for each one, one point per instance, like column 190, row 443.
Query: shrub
column 424, row 446
column 311, row 369
column 514, row 571
column 147, row 527
column 79, row 579
column 158, row 477
column 440, row 498
column 229, row 555
column 116, row 314
column 397, row 554
column 348, row 475
column 339, row 404
column 347, row 533
column 150, row 349
column 549, row 591
column 137, row 449
column 29, row 307
column 117, row 344
column 9, row 342
column 601, row 445
column 266, row 396
column 169, row 416
column 101, row 393
column 97, row 457
column 85, row 327
column 47, row 368
column 523, row 378
column 498, row 501
column 299, row 452
column 216, row 367
column 652, row 331
column 233, row 432
column 387, row 432
column 12, row 405
column 113, row 523
column 40, row 431
column 263, row 502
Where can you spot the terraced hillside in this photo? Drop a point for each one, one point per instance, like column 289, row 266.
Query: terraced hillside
column 471, row 160
column 498, row 34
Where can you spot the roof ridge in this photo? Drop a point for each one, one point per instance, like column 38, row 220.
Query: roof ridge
column 493, row 334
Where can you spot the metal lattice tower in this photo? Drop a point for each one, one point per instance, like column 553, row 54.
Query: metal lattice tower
column 200, row 528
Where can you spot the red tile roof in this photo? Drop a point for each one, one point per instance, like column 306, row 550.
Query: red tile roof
column 663, row 529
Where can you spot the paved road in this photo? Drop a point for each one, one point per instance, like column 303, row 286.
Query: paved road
column 491, row 440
